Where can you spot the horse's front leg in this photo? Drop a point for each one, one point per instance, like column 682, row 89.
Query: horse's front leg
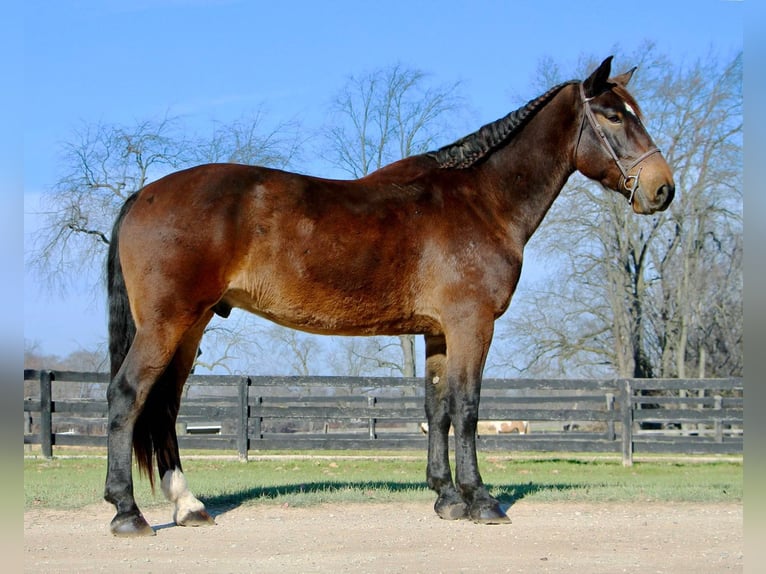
column 482, row 507
column 449, row 504
column 467, row 351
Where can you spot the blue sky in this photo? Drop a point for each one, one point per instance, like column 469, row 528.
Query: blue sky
column 120, row 61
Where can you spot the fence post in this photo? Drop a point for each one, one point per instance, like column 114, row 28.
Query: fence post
column 718, row 426
column 46, row 409
column 242, row 424
column 626, row 408
column 610, row 434
column 371, row 403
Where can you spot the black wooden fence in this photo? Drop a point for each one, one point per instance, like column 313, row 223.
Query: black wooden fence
column 686, row 416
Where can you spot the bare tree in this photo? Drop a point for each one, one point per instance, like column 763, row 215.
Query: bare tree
column 105, row 163
column 380, row 117
column 702, row 263
column 249, row 140
column 79, row 360
column 370, row 356
column 651, row 296
column 295, row 351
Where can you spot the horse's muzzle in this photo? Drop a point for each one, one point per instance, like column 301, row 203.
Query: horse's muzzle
column 662, row 198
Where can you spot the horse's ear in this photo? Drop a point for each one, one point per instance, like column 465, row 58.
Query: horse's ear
column 623, row 79
column 598, row 81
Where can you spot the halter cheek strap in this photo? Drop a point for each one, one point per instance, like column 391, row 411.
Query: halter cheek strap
column 627, row 181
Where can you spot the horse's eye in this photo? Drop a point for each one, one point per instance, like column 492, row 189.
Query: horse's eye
column 614, row 118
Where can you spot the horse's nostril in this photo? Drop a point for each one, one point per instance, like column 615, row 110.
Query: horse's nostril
column 665, row 194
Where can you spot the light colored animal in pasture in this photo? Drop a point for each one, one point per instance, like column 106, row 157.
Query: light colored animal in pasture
column 491, row 427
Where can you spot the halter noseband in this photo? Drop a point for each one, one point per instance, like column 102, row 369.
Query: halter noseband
column 627, row 181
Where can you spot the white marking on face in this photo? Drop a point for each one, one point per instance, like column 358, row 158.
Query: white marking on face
column 630, row 109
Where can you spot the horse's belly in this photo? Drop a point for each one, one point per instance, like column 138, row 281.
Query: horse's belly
column 328, row 312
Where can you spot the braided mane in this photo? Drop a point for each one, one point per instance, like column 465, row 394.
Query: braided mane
column 468, row 150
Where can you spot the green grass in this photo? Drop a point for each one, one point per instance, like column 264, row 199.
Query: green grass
column 313, row 478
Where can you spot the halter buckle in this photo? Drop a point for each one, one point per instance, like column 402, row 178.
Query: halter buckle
column 631, row 184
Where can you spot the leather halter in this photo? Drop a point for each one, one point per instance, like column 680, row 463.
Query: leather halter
column 627, row 181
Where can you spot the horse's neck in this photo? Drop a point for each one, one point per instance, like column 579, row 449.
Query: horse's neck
column 530, row 171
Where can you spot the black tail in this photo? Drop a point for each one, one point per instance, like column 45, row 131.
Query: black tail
column 122, row 329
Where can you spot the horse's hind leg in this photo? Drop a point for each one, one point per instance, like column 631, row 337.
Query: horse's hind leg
column 143, row 402
column 449, row 504
column 188, row 510
column 127, row 394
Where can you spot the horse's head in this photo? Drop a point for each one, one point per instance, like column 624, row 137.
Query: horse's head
column 613, row 146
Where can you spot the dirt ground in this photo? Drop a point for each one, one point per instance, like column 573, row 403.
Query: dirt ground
column 543, row 537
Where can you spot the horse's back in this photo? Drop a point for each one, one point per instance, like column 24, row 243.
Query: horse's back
column 321, row 255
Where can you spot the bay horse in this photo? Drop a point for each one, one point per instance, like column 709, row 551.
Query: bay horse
column 431, row 244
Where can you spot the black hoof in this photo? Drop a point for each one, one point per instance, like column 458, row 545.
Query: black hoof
column 489, row 513
column 451, row 507
column 131, row 525
column 196, row 518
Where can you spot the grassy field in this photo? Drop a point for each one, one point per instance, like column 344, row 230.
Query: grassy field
column 76, row 480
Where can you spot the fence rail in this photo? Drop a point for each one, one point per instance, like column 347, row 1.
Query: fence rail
column 687, row 416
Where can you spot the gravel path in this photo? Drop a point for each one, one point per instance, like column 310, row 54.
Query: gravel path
column 408, row 538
